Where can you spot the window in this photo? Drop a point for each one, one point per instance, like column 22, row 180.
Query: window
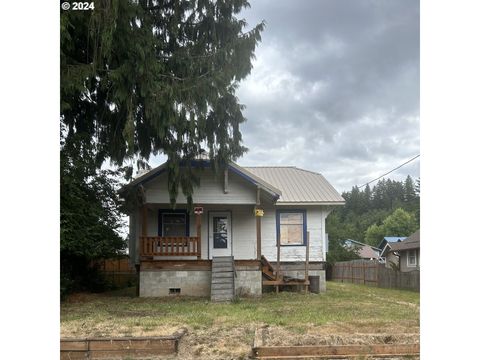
column 220, row 232
column 412, row 258
column 291, row 227
column 173, row 224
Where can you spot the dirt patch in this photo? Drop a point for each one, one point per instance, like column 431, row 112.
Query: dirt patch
column 81, row 298
column 281, row 337
column 113, row 329
column 340, row 334
column 217, row 343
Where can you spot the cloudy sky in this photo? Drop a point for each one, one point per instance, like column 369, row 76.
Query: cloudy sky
column 335, row 88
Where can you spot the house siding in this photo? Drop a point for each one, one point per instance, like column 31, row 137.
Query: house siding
column 315, row 217
column 211, row 190
column 243, row 229
column 403, row 261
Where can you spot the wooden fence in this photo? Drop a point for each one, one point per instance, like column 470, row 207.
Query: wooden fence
column 370, row 272
column 117, row 271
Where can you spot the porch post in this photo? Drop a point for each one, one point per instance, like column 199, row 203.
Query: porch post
column 259, row 229
column 141, row 248
column 198, row 223
column 144, row 227
column 307, row 253
column 144, row 220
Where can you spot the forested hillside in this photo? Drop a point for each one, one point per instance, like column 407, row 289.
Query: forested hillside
column 390, row 208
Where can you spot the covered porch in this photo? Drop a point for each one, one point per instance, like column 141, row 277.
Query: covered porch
column 211, row 230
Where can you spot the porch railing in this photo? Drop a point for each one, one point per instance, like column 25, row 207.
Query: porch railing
column 170, row 246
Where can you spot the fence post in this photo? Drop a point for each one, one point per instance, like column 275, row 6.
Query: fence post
column 363, row 273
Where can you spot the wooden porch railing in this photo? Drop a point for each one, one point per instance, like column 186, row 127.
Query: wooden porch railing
column 170, row 246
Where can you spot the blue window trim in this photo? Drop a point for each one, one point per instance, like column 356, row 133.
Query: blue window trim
column 304, row 212
column 170, row 211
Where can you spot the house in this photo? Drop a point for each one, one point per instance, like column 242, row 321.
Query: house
column 390, row 259
column 365, row 251
column 408, row 252
column 245, row 219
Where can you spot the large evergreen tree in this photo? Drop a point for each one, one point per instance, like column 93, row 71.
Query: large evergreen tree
column 156, row 76
column 140, row 78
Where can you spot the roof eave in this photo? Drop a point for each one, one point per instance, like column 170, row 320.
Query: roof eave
column 274, row 192
column 311, row 203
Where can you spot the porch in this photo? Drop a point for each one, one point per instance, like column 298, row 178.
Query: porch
column 158, row 246
column 211, row 231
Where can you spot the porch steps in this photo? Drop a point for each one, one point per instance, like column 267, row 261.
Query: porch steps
column 223, row 279
column 267, row 269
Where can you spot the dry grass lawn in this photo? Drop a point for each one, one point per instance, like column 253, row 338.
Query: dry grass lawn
column 346, row 313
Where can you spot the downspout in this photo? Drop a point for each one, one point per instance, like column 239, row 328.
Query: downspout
column 225, row 181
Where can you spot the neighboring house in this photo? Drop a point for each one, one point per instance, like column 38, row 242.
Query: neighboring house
column 241, row 215
column 365, row 251
column 389, row 257
column 408, row 252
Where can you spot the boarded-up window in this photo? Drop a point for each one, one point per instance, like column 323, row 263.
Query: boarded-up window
column 291, row 228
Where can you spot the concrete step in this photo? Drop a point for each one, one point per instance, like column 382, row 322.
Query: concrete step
column 221, row 298
column 224, row 286
column 223, row 274
column 222, row 280
column 216, row 258
column 222, row 269
column 222, row 263
column 222, row 291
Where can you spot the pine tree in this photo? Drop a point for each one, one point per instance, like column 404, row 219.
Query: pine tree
column 367, row 196
column 410, row 194
column 417, row 187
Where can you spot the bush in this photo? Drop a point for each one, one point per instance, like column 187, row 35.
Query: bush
column 66, row 286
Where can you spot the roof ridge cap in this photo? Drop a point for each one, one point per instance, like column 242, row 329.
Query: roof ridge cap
column 270, row 166
column 309, row 171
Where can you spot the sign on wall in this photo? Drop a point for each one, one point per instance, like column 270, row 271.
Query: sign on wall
column 198, row 210
column 258, row 212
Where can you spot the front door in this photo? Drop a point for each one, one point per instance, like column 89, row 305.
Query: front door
column 220, row 234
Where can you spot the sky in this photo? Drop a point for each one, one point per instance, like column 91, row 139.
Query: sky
column 334, row 88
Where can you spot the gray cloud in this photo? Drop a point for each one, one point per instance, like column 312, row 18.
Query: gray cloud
column 335, row 88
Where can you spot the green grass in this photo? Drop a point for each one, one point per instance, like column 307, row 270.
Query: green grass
column 341, row 304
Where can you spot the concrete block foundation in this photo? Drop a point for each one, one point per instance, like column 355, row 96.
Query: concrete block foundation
column 248, row 283
column 159, row 283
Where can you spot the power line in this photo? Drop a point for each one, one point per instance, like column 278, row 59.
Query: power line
column 398, row 167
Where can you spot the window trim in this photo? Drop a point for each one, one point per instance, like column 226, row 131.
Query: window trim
column 161, row 212
column 409, row 264
column 283, row 211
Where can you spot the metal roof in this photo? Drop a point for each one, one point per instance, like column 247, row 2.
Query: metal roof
column 298, row 185
column 289, row 184
column 391, row 239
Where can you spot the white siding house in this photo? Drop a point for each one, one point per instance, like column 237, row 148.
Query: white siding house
column 175, row 250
